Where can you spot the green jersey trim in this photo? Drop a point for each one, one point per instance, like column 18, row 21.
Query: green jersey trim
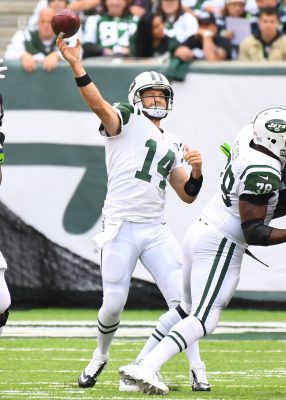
column 258, row 168
column 261, row 179
column 262, row 183
column 126, row 110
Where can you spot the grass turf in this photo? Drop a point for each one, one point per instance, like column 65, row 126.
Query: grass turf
column 48, row 369
column 240, row 366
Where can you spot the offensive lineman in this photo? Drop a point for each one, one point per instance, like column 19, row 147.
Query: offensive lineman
column 5, row 299
column 140, row 158
column 237, row 216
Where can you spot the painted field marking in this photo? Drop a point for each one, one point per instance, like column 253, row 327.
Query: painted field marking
column 128, row 329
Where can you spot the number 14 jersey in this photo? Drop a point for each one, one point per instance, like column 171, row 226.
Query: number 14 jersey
column 247, row 171
column 138, row 161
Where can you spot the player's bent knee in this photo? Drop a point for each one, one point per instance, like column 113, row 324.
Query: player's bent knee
column 3, row 318
column 212, row 321
column 114, row 303
column 173, row 303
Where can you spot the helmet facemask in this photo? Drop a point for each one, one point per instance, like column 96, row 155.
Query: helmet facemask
column 156, row 111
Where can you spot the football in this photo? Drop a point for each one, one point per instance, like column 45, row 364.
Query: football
column 65, row 21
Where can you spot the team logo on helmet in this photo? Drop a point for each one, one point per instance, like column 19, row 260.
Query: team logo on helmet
column 283, row 153
column 276, row 125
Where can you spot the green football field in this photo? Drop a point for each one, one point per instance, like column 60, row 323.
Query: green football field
column 241, row 365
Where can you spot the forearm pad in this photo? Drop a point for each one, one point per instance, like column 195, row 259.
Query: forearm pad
column 193, row 186
column 256, row 232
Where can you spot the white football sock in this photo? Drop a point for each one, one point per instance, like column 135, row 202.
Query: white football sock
column 181, row 336
column 165, row 323
column 106, row 328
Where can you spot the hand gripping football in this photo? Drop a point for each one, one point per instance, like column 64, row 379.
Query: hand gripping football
column 66, row 22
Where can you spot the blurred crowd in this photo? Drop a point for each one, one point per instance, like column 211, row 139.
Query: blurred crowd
column 174, row 31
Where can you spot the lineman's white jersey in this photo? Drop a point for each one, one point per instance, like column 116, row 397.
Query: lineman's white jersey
column 247, row 171
column 139, row 161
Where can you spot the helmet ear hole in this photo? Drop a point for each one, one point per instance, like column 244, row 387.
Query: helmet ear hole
column 273, row 141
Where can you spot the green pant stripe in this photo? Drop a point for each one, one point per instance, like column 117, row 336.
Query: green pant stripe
column 181, row 337
column 176, row 341
column 211, row 275
column 220, row 281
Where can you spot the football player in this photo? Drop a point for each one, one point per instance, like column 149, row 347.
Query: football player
column 140, row 158
column 237, row 216
column 5, row 299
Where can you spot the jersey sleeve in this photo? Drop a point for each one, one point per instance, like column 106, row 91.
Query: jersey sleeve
column 259, row 180
column 124, row 111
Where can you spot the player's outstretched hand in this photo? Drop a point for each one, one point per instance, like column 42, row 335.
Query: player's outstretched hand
column 193, row 158
column 2, row 69
column 71, row 54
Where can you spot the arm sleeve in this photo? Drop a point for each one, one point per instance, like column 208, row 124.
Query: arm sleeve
column 124, row 112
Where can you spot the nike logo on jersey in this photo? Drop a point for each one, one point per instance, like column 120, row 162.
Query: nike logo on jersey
column 264, row 177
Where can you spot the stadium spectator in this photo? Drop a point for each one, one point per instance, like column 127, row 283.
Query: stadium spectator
column 237, row 216
column 234, row 9
column 5, row 299
column 268, row 43
column 179, row 24
column 216, row 7
column 56, row 5
column 140, row 158
column 261, row 5
column 207, row 44
column 112, row 32
column 151, row 40
column 84, row 5
column 37, row 47
column 136, row 7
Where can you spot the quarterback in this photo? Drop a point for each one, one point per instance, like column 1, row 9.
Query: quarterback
column 140, row 158
column 237, row 216
column 5, row 299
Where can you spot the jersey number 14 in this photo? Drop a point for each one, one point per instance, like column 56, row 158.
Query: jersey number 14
column 163, row 167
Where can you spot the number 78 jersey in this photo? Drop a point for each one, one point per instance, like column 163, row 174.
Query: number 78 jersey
column 247, row 171
column 139, row 161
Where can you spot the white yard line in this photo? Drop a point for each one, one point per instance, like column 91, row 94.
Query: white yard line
column 127, row 329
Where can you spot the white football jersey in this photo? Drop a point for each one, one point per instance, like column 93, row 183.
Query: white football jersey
column 139, row 161
column 247, row 171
